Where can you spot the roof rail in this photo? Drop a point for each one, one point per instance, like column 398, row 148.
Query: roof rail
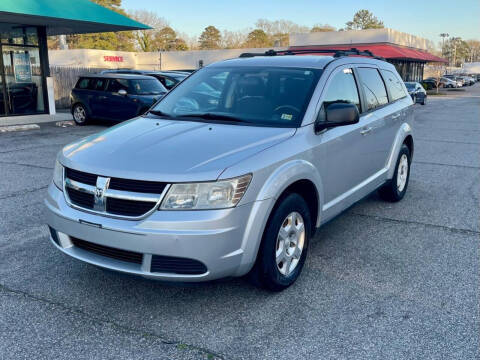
column 336, row 53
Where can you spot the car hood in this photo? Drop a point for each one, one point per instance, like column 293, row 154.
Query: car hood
column 168, row 150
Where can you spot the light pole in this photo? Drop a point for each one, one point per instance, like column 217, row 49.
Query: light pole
column 443, row 35
column 454, row 40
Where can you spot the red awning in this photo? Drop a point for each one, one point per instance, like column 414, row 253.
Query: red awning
column 387, row 51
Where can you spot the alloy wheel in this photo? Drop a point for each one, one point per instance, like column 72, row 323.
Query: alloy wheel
column 290, row 242
column 402, row 173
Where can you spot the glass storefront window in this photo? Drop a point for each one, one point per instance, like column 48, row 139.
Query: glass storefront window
column 23, row 80
column 18, row 34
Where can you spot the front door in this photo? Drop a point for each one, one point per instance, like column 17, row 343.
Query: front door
column 344, row 162
column 22, row 92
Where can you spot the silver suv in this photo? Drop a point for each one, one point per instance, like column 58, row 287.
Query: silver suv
column 233, row 171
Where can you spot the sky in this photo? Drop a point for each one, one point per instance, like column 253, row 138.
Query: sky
column 425, row 18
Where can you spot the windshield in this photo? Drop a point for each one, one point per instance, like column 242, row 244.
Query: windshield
column 265, row 96
column 410, row 86
column 145, row 87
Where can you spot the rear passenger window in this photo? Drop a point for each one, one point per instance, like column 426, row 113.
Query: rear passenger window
column 374, row 88
column 394, row 85
column 342, row 89
column 83, row 83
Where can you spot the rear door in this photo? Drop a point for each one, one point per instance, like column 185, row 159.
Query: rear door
column 97, row 97
column 377, row 131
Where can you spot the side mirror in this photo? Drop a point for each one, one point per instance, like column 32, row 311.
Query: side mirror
column 122, row 92
column 337, row 114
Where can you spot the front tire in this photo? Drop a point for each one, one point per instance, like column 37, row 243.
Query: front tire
column 394, row 190
column 424, row 101
column 79, row 113
column 284, row 246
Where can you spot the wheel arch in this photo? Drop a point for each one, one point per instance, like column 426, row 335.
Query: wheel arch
column 404, row 136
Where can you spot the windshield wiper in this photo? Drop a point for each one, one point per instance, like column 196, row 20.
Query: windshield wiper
column 160, row 113
column 214, row 116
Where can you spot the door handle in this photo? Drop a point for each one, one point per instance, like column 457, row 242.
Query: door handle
column 395, row 116
column 365, row 131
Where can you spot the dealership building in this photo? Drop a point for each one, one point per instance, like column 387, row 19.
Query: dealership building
column 408, row 53
column 26, row 88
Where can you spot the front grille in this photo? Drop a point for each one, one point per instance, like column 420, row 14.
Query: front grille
column 131, row 204
column 128, row 207
column 151, row 187
column 82, row 177
column 176, row 265
column 122, row 255
column 80, row 198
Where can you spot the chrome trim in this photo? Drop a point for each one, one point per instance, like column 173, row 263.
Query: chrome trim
column 101, row 192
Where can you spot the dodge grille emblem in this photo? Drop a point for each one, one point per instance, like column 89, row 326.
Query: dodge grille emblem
column 99, row 193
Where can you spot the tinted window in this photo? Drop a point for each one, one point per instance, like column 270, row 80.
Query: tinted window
column 394, row 85
column 410, row 86
column 267, row 96
column 342, row 89
column 145, row 87
column 114, row 85
column 97, row 84
column 83, row 83
column 374, row 88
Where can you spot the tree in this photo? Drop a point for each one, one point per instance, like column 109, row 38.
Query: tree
column 210, row 38
column 280, row 27
column 322, row 28
column 364, row 19
column 122, row 40
column 257, row 39
column 437, row 71
column 166, row 40
column 474, row 50
column 456, row 50
column 233, row 39
column 145, row 39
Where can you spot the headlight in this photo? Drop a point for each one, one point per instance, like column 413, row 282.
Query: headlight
column 208, row 195
column 58, row 175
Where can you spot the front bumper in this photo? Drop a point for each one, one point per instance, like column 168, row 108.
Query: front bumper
column 225, row 241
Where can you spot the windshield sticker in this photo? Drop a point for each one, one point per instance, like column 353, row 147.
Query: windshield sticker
column 287, row 117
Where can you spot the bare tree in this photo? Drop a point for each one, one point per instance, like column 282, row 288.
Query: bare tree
column 233, row 39
column 322, row 28
column 438, row 71
column 145, row 39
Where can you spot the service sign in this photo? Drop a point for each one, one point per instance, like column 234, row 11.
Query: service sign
column 22, row 67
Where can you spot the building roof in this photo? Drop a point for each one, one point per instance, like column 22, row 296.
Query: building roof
column 66, row 16
column 387, row 51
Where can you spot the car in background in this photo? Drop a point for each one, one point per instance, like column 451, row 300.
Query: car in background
column 429, row 84
column 468, row 80
column 457, row 79
column 114, row 97
column 417, row 92
column 448, row 83
column 169, row 79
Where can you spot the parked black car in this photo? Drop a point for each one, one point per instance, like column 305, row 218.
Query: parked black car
column 169, row 79
column 115, row 97
column 417, row 92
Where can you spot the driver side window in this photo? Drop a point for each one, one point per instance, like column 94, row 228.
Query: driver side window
column 342, row 89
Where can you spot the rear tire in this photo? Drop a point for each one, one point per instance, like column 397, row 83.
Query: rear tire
column 80, row 115
column 394, row 190
column 284, row 246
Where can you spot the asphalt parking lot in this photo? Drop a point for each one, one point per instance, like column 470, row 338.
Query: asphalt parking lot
column 382, row 281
